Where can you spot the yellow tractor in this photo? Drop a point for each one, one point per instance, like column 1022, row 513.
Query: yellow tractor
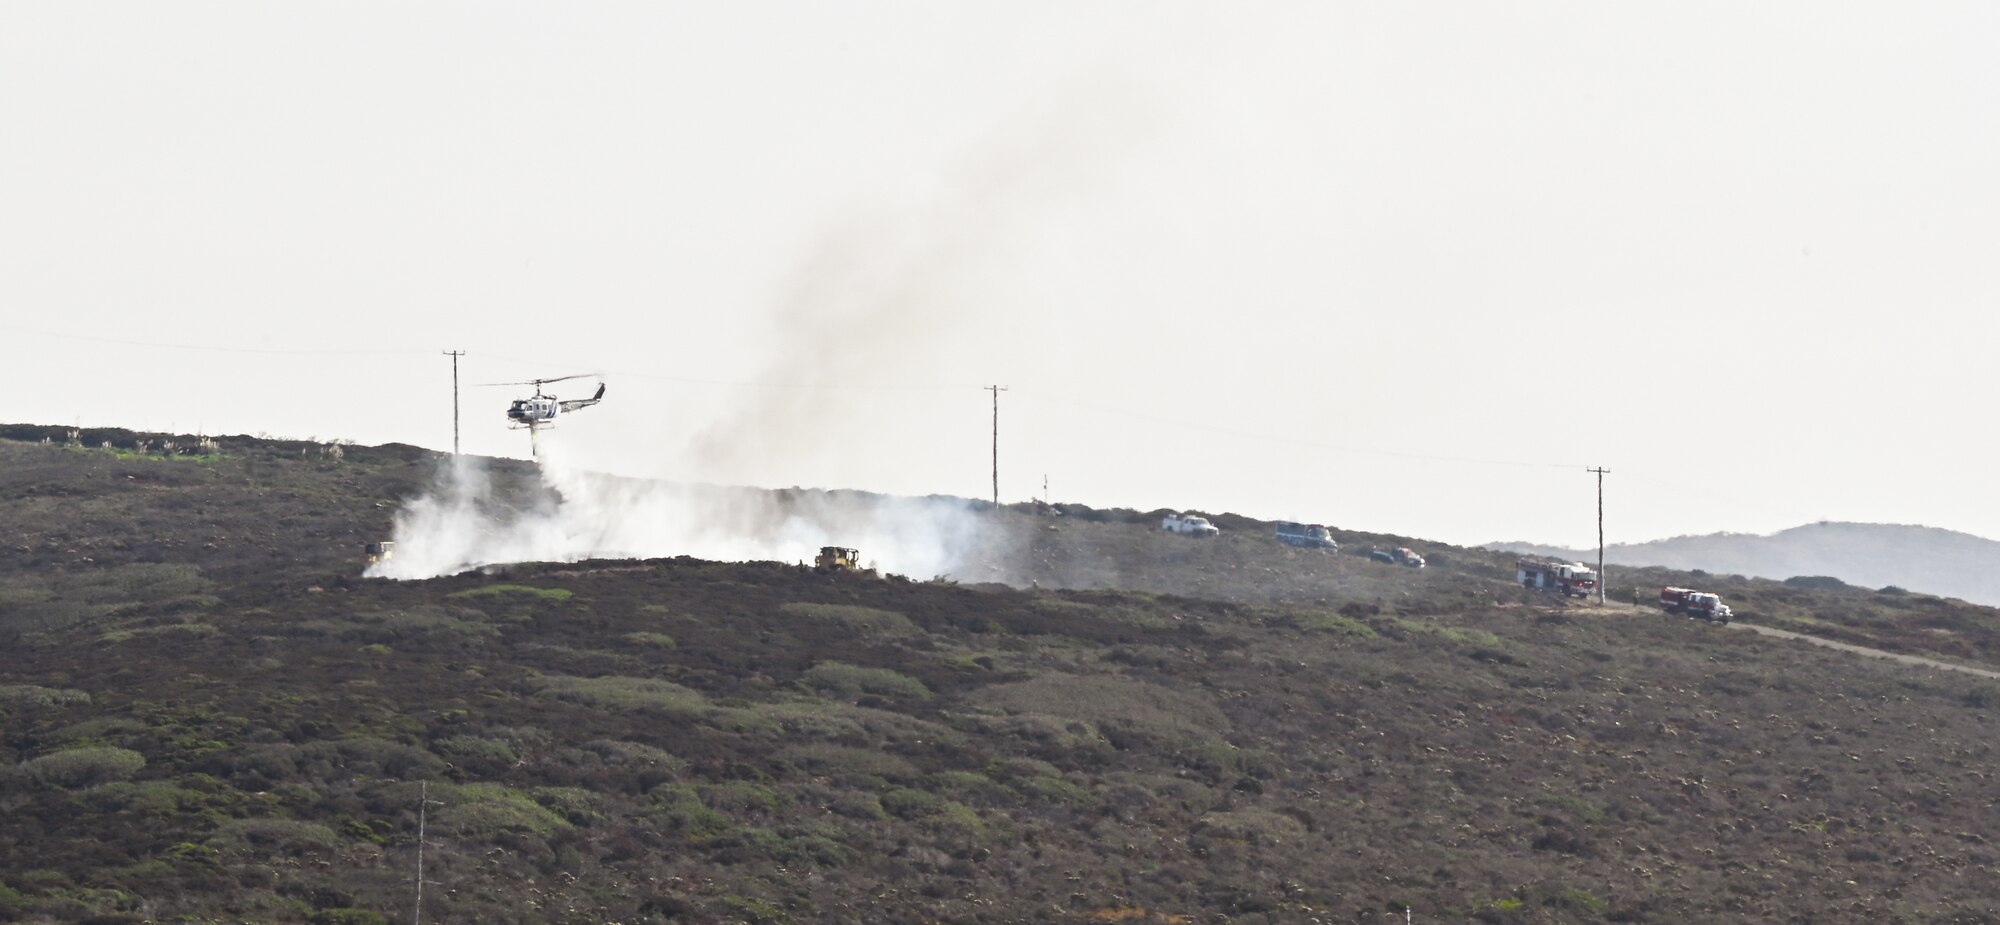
column 380, row 552
column 838, row 559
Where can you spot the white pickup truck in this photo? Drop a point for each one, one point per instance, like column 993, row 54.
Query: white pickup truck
column 1191, row 525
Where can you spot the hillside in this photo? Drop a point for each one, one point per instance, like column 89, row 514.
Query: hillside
column 1923, row 559
column 207, row 716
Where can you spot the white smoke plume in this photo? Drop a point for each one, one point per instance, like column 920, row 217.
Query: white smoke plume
column 471, row 518
column 886, row 291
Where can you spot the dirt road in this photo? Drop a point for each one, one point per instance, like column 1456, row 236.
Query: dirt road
column 1864, row 650
column 1916, row 660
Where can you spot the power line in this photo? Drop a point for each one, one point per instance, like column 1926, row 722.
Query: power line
column 215, row 348
column 805, row 385
column 802, row 385
column 1294, row 441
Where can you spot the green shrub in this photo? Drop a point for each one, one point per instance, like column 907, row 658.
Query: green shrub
column 547, row 594
column 189, row 851
column 846, row 762
column 1338, row 625
column 398, row 625
column 953, row 817
column 484, row 810
column 1578, row 899
column 115, row 637
column 755, row 911
column 636, row 754
column 911, row 804
column 815, row 849
column 622, row 693
column 1110, row 703
column 83, row 766
column 852, row 680
column 29, row 695
column 54, row 615
column 1054, row 790
column 1222, row 759
column 1257, row 826
column 867, row 620
column 970, row 663
column 738, row 797
column 477, row 748
column 141, row 582
column 159, row 798
column 965, row 783
column 833, row 719
column 1465, row 636
column 578, row 806
column 290, row 836
column 347, row 917
column 360, row 756
column 681, row 808
column 857, row 805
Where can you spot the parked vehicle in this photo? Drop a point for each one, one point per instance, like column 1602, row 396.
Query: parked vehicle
column 1691, row 603
column 1310, row 536
column 1569, row 579
column 1190, row 525
column 1401, row 555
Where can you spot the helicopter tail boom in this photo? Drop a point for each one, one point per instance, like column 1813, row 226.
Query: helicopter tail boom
column 576, row 403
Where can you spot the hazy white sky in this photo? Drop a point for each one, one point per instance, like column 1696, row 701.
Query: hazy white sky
column 1396, row 267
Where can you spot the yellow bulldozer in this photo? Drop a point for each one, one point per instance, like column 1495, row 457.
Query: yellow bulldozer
column 839, row 559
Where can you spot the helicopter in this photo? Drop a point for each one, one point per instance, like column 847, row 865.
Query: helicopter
column 541, row 410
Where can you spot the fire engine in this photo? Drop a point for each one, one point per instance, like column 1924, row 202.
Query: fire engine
column 1571, row 579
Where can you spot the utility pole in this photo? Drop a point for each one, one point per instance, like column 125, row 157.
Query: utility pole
column 424, row 803
column 1600, row 470
column 996, row 390
column 454, row 354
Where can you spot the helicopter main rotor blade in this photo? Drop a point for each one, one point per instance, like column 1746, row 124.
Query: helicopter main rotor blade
column 537, row 382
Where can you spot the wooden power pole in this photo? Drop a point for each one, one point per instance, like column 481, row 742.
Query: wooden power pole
column 1600, row 470
column 996, row 390
column 454, row 354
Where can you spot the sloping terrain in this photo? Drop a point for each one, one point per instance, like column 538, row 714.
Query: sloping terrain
column 240, row 507
column 1925, row 559
column 294, row 513
column 653, row 741
column 1267, row 736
